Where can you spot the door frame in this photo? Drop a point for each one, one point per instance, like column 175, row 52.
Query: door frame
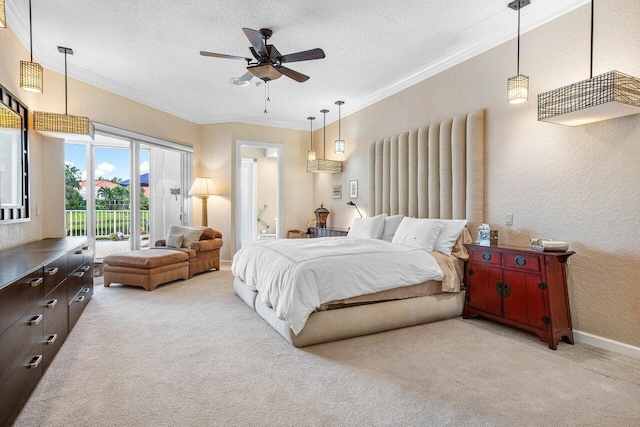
column 237, row 164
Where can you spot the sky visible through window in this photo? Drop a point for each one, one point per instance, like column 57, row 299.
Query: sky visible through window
column 110, row 162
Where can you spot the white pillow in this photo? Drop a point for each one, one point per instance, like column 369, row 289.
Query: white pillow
column 391, row 224
column 191, row 234
column 174, row 240
column 418, row 233
column 449, row 234
column 367, row 228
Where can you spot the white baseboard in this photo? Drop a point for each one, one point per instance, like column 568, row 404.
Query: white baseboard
column 225, row 261
column 607, row 344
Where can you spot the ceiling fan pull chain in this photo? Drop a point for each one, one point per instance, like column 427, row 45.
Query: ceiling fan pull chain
column 268, row 92
column 265, row 98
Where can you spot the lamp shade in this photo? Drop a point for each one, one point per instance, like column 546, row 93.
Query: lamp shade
column 31, row 76
column 71, row 128
column 3, row 15
column 203, row 187
column 518, row 89
column 9, row 119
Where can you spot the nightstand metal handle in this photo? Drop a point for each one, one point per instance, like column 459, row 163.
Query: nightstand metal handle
column 486, row 255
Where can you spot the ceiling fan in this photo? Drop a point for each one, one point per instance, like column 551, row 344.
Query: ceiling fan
column 267, row 62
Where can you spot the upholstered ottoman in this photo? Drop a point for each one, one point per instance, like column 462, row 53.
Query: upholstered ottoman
column 148, row 268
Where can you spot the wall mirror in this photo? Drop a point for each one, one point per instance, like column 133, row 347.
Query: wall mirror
column 14, row 156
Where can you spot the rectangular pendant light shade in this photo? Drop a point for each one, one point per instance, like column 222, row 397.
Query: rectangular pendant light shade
column 312, row 155
column 324, row 165
column 518, row 89
column 9, row 119
column 31, row 76
column 338, row 146
column 607, row 96
column 3, row 15
column 72, row 128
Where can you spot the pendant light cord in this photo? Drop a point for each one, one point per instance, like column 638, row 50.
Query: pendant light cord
column 30, row 33
column 518, row 73
column 591, row 62
column 339, row 122
column 65, row 83
column 324, row 136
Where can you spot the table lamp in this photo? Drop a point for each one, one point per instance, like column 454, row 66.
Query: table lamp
column 203, row 188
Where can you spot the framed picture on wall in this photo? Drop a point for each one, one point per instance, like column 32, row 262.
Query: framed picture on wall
column 353, row 189
column 337, row 191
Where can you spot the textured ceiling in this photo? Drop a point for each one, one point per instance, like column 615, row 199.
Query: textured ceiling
column 148, row 50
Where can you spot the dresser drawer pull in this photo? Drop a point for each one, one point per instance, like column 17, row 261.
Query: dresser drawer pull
column 52, row 271
column 35, row 361
column 86, row 268
column 51, row 339
column 52, row 303
column 80, row 299
column 85, row 290
column 84, row 248
column 486, row 256
column 36, row 282
column 520, row 260
column 36, row 319
column 78, row 252
column 80, row 274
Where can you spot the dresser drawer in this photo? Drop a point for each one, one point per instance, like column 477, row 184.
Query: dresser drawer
column 77, row 306
column 56, row 311
column 18, row 297
column 77, row 280
column 54, row 273
column 15, row 392
column 486, row 256
column 19, row 339
column 76, row 258
column 521, row 262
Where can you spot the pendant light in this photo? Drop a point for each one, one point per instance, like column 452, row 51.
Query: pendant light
column 518, row 85
column 338, row 146
column 324, row 165
column 311, row 153
column 73, row 128
column 30, row 72
column 607, row 96
column 3, row 15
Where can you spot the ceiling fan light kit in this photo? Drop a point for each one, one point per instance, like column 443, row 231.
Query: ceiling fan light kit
column 607, row 96
column 30, row 72
column 74, row 128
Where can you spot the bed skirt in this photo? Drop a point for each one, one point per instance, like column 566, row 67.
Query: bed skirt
column 332, row 325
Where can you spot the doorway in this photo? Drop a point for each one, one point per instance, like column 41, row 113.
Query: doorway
column 258, row 194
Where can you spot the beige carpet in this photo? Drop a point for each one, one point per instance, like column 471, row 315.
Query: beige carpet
column 192, row 353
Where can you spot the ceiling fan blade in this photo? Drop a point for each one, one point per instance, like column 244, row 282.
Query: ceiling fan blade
column 220, row 55
column 256, row 40
column 254, row 53
column 246, row 77
column 299, row 77
column 303, row 56
column 273, row 53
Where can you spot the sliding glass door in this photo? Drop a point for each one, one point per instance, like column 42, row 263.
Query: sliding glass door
column 130, row 193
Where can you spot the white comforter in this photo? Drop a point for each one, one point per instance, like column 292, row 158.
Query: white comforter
column 295, row 276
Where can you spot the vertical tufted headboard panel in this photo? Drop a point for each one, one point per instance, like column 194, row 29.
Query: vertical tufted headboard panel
column 436, row 171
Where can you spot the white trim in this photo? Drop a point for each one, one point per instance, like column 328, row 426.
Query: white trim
column 239, row 118
column 123, row 133
column 237, row 164
column 607, row 344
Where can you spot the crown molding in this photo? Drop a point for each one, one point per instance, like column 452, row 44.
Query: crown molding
column 536, row 16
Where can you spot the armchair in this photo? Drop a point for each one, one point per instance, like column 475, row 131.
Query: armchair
column 204, row 254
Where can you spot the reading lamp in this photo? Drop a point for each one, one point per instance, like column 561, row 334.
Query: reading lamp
column 356, row 206
column 203, row 188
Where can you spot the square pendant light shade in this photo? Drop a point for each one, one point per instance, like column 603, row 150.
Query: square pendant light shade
column 324, row 165
column 3, row 15
column 338, row 146
column 31, row 76
column 312, row 155
column 518, row 89
column 603, row 97
column 9, row 119
column 72, row 128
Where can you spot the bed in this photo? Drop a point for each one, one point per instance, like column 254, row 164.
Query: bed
column 435, row 172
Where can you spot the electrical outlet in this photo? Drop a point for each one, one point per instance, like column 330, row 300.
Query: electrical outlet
column 509, row 219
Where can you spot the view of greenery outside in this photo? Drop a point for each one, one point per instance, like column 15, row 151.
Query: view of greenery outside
column 113, row 202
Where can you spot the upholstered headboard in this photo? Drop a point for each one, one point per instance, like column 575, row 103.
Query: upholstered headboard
column 436, row 171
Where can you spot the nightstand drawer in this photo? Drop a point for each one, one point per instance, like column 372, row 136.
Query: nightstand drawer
column 523, row 262
column 486, row 256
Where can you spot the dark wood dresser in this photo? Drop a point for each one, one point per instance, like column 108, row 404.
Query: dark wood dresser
column 520, row 287
column 44, row 287
column 326, row 232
